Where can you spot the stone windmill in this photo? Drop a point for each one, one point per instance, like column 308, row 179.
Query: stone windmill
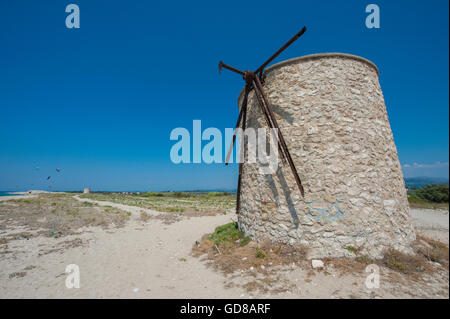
column 339, row 183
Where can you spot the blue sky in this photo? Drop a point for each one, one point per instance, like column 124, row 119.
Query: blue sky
column 100, row 102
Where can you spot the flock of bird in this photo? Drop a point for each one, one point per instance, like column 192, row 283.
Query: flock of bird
column 58, row 170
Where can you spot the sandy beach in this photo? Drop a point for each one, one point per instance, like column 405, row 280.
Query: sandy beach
column 3, row 198
column 152, row 258
column 23, row 195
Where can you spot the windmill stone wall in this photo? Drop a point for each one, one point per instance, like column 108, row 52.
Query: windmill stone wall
column 332, row 114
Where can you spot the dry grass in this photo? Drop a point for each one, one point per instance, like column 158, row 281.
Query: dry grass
column 425, row 250
column 432, row 250
column 170, row 218
column 403, row 263
column 144, row 216
column 17, row 274
column 349, row 265
column 230, row 255
column 61, row 247
column 238, row 253
column 224, row 250
column 268, row 284
column 255, row 286
column 252, row 265
column 187, row 204
column 55, row 215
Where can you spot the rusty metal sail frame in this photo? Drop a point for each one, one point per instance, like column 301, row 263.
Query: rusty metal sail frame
column 253, row 81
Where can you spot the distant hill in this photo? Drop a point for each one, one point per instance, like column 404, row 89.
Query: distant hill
column 422, row 181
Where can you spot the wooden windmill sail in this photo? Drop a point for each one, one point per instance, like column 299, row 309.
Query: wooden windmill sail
column 253, row 81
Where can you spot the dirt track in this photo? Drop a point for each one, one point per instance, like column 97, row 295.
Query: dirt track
column 432, row 223
column 152, row 260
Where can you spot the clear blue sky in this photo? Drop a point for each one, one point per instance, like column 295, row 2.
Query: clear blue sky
column 100, row 101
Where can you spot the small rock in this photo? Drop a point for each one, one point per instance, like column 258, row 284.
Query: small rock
column 316, row 263
column 262, row 267
column 435, row 263
column 424, row 243
column 135, row 289
column 245, row 258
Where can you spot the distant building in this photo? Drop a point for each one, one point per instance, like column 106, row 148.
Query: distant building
column 86, row 191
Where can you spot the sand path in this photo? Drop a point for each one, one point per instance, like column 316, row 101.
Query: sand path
column 141, row 260
column 134, row 210
column 152, row 260
column 432, row 223
column 2, row 198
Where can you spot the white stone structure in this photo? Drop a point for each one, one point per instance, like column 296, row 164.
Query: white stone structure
column 331, row 112
column 86, row 190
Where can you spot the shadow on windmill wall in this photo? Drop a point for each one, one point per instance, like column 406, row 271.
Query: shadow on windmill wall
column 286, row 192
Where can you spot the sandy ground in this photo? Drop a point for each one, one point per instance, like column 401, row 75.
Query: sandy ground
column 134, row 210
column 22, row 195
column 431, row 223
column 152, row 260
column 16, row 197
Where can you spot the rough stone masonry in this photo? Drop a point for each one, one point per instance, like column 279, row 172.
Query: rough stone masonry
column 331, row 112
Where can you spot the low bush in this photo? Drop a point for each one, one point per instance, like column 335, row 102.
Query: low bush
column 403, row 263
column 226, row 234
column 433, row 193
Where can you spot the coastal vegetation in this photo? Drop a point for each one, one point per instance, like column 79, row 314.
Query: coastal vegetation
column 56, row 215
column 429, row 196
column 208, row 203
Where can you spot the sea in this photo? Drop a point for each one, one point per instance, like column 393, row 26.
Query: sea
column 7, row 194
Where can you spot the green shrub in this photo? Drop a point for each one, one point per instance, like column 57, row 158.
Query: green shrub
column 433, row 193
column 218, row 194
column 259, row 253
column 174, row 209
column 226, row 233
column 180, row 194
column 245, row 241
column 364, row 259
column 401, row 262
column 152, row 194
